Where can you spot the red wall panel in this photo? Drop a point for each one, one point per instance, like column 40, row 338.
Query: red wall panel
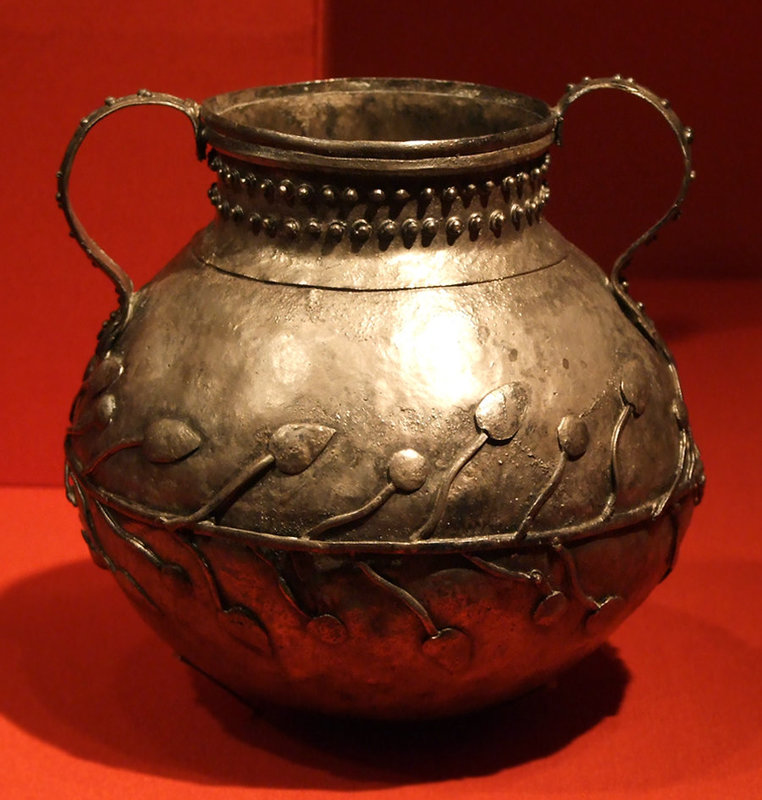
column 137, row 185
column 619, row 167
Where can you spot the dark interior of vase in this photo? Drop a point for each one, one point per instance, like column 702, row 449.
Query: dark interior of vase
column 382, row 116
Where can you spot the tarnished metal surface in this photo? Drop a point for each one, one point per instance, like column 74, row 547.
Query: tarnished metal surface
column 380, row 441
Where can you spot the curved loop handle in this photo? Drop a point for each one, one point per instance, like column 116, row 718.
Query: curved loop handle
column 684, row 137
column 101, row 259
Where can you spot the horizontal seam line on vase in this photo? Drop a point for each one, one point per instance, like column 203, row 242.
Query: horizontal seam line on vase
column 224, row 271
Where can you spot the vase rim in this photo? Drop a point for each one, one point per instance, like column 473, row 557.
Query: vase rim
column 380, row 124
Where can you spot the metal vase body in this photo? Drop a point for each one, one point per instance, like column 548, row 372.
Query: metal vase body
column 379, row 441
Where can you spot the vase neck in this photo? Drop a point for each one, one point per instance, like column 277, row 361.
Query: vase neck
column 378, row 210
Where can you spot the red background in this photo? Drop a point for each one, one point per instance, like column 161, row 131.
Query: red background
column 93, row 706
column 136, row 185
column 619, row 167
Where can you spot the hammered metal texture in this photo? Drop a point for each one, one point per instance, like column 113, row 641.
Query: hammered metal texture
column 379, row 441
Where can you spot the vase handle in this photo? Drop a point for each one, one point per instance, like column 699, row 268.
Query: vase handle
column 101, row 259
column 684, row 137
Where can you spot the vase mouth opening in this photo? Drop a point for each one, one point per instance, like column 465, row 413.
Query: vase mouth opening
column 379, row 124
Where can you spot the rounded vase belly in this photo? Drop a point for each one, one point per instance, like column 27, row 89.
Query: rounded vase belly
column 380, row 441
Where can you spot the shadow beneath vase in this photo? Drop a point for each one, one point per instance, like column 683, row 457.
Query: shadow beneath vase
column 481, row 743
column 82, row 672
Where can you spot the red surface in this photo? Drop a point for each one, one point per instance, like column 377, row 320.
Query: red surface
column 94, row 706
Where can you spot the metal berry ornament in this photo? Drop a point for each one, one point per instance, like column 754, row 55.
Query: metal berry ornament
column 380, row 441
